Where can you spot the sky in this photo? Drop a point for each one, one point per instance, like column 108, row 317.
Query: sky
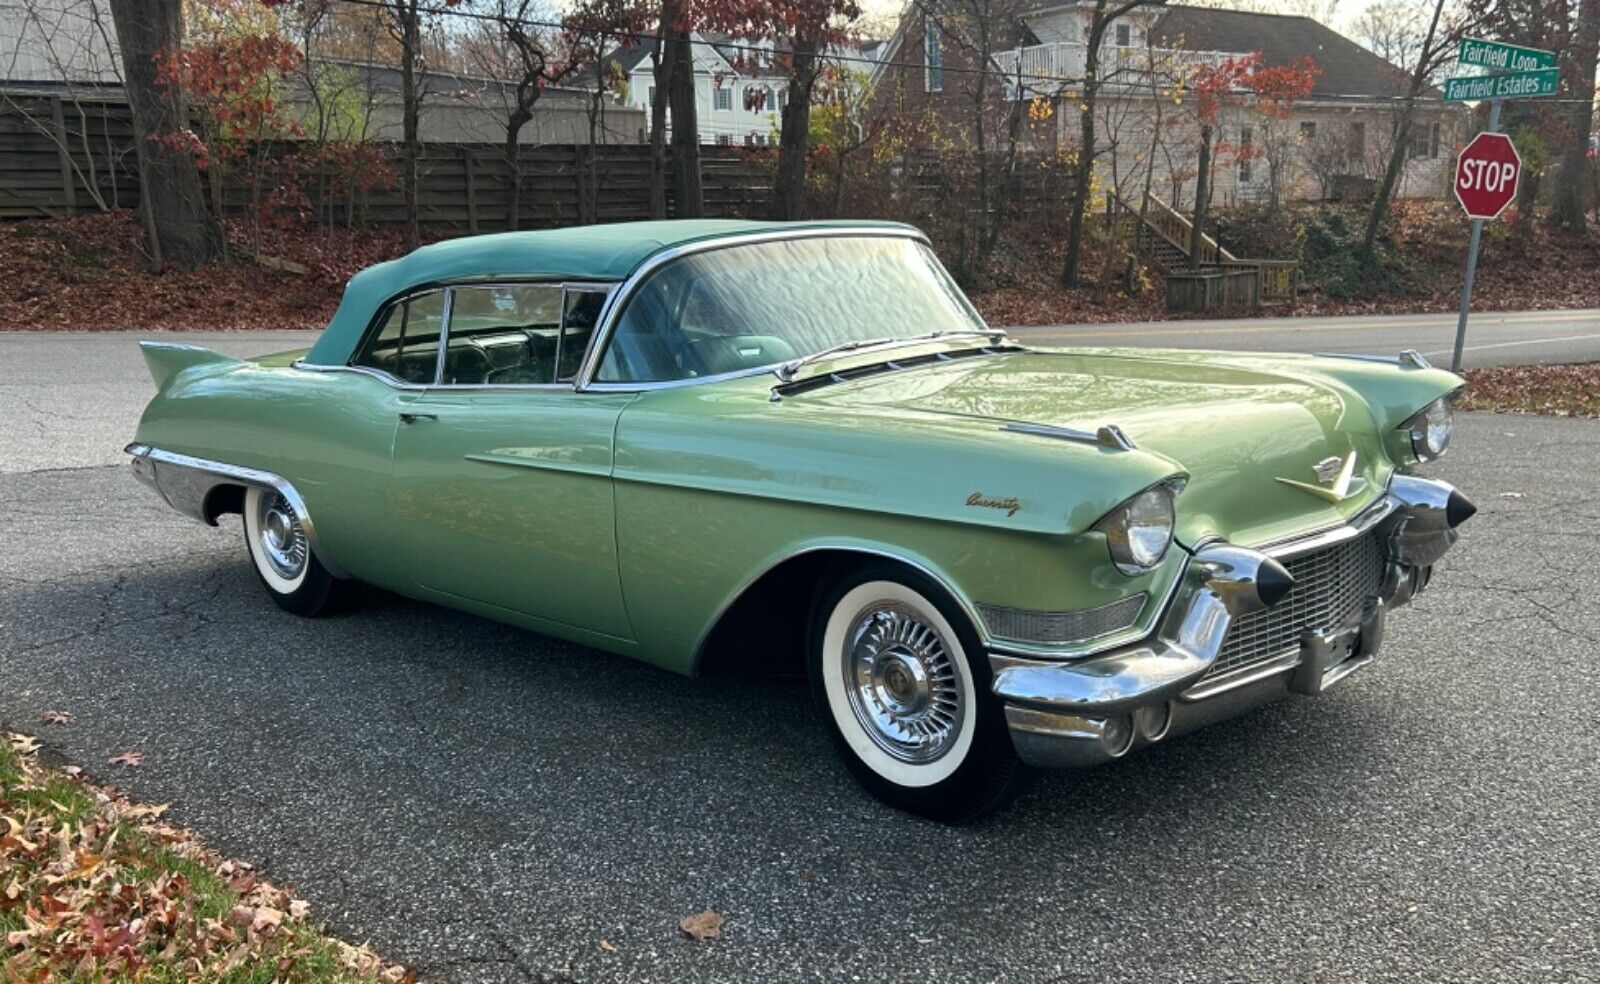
column 1344, row 13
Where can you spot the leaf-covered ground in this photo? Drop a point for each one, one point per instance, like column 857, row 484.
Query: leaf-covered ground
column 96, row 888
column 1562, row 391
column 89, row 273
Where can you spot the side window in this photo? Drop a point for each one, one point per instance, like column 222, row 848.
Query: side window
column 577, row 328
column 406, row 345
column 506, row 334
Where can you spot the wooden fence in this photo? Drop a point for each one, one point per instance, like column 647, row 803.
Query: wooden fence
column 64, row 156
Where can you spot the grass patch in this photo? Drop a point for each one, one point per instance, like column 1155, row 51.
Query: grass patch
column 1562, row 390
column 96, row 888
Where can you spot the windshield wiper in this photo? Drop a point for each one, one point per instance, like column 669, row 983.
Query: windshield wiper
column 788, row 370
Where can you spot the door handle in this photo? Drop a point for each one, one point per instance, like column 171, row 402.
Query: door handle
column 408, row 417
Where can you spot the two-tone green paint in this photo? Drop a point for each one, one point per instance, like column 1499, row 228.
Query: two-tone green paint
column 630, row 521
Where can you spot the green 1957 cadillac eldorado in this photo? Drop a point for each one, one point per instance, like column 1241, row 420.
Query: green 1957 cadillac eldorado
column 677, row 438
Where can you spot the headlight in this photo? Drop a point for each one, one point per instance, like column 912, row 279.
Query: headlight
column 1140, row 530
column 1430, row 429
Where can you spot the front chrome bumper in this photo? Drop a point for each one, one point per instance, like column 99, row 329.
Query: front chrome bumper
column 1096, row 709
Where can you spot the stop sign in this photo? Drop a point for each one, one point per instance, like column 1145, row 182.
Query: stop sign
column 1487, row 173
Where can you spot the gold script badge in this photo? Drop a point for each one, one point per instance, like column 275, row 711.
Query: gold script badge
column 1010, row 505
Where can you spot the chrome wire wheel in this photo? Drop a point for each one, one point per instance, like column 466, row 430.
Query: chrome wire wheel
column 279, row 536
column 277, row 540
column 902, row 684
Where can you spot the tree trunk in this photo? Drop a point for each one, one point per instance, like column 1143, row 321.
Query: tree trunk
column 1083, row 173
column 1202, row 191
column 688, row 194
column 794, row 134
column 170, row 191
column 658, row 113
column 1573, row 178
column 513, row 147
column 1402, row 139
column 410, row 110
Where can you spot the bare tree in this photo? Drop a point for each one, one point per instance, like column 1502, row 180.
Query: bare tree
column 1435, row 49
column 404, row 21
column 171, row 198
column 1575, row 172
column 1105, row 14
column 687, row 189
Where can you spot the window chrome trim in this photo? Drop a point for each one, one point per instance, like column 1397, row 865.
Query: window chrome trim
column 611, row 313
column 388, row 379
column 609, row 287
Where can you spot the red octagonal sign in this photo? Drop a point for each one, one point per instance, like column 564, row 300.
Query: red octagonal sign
column 1487, row 173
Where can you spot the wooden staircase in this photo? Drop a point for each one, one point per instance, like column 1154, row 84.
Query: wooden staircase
column 1164, row 237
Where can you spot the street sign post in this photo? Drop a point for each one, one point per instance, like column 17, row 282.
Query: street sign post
column 1516, row 85
column 1489, row 168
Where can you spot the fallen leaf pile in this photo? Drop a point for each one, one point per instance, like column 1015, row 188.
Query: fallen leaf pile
column 95, row 887
column 65, row 274
column 1562, row 390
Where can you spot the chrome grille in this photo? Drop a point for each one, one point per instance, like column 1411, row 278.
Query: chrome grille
column 1329, row 584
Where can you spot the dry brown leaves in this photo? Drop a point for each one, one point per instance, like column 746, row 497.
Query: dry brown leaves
column 95, row 887
column 703, row 925
column 1561, row 391
column 66, row 274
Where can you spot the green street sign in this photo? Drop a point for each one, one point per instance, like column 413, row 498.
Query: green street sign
column 1503, row 57
column 1518, row 85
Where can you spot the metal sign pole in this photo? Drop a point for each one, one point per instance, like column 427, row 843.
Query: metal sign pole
column 1472, row 260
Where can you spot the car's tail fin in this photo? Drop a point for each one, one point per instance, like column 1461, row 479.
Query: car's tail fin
column 167, row 359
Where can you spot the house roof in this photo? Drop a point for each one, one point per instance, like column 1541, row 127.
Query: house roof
column 596, row 252
column 1348, row 70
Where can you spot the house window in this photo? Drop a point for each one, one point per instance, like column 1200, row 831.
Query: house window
column 724, row 140
column 1308, row 131
column 1424, row 141
column 1358, row 143
column 1124, row 36
column 652, row 101
column 1246, row 134
column 724, row 97
column 933, row 58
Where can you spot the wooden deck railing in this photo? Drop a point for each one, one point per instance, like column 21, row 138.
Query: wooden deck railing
column 1278, row 278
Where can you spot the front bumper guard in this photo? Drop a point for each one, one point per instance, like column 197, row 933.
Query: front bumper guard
column 1096, row 709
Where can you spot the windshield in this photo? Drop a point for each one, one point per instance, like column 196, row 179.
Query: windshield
column 752, row 306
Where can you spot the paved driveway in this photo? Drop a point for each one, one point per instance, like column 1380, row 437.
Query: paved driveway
column 489, row 805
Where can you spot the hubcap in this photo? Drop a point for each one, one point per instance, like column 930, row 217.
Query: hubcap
column 903, row 687
column 281, row 537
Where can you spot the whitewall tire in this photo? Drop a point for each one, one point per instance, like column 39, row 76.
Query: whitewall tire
column 904, row 686
column 280, row 550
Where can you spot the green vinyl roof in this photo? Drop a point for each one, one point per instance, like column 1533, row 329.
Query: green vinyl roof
column 596, row 252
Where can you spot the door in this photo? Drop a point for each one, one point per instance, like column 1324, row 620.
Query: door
column 502, row 472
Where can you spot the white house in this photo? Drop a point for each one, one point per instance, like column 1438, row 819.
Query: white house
column 739, row 92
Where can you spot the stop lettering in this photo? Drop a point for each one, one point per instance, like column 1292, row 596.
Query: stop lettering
column 1487, row 173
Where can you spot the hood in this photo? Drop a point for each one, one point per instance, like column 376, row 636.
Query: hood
column 1235, row 429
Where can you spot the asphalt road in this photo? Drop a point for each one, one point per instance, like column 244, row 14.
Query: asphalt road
column 1493, row 338
column 71, row 398
column 487, row 804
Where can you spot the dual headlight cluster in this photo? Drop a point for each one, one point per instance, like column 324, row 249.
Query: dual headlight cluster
column 1139, row 532
column 1429, row 429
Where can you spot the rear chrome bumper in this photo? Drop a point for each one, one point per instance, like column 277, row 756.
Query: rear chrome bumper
column 187, row 484
column 1065, row 714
